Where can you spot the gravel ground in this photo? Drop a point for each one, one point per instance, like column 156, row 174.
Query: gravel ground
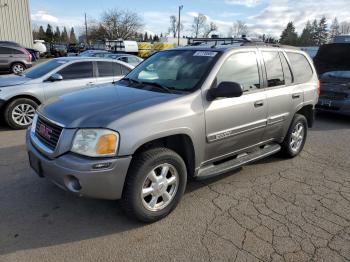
column 273, row 210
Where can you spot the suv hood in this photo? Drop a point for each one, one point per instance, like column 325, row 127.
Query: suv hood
column 13, row 80
column 332, row 57
column 100, row 106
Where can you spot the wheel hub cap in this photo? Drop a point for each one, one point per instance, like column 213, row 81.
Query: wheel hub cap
column 160, row 187
column 23, row 114
column 297, row 137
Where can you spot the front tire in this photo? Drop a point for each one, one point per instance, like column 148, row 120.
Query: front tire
column 20, row 112
column 294, row 142
column 155, row 184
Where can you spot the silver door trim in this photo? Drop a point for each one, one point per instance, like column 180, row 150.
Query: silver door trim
column 236, row 130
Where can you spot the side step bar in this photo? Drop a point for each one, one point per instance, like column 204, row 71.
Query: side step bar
column 214, row 170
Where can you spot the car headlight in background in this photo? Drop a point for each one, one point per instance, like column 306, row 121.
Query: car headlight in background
column 95, row 142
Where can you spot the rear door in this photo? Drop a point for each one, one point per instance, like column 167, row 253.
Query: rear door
column 109, row 72
column 282, row 94
column 76, row 76
column 233, row 124
column 5, row 57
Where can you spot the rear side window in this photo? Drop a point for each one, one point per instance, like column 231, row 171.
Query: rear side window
column 108, row 69
column 125, row 70
column 274, row 72
column 77, row 71
column 241, row 68
column 5, row 51
column 288, row 78
column 301, row 67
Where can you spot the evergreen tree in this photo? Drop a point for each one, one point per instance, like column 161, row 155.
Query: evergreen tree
column 161, row 35
column 49, row 34
column 289, row 36
column 335, row 29
column 322, row 32
column 145, row 37
column 64, row 35
column 314, row 32
column 57, row 35
column 306, row 38
column 41, row 33
column 72, row 37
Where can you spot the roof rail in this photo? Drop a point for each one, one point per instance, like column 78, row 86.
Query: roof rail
column 234, row 41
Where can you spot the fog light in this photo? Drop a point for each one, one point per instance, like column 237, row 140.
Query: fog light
column 72, row 183
column 101, row 165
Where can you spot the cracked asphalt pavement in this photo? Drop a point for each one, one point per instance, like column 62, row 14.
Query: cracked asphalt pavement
column 273, row 210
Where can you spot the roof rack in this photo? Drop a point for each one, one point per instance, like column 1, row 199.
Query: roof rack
column 233, row 41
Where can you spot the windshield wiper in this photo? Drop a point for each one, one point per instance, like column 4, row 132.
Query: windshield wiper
column 158, row 85
column 131, row 81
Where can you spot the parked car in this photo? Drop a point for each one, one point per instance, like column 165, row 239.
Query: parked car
column 130, row 59
column 332, row 63
column 21, row 95
column 34, row 53
column 87, row 53
column 14, row 59
column 10, row 43
column 182, row 113
column 95, row 54
column 58, row 50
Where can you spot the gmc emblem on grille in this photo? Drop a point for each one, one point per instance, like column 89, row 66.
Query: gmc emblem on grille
column 45, row 131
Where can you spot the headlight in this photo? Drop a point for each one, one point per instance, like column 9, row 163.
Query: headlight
column 35, row 119
column 95, row 142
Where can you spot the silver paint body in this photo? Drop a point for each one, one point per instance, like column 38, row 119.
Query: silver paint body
column 12, row 86
column 217, row 129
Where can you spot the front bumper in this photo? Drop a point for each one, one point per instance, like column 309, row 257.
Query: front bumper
column 334, row 106
column 69, row 168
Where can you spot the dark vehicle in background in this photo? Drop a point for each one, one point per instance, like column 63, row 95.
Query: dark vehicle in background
column 58, row 50
column 333, row 65
column 89, row 53
column 14, row 59
column 35, row 54
column 130, row 59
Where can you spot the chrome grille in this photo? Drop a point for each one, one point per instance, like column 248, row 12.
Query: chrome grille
column 333, row 95
column 47, row 132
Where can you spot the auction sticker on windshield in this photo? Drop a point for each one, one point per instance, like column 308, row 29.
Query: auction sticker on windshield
column 205, row 53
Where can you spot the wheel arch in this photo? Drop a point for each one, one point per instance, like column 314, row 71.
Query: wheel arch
column 308, row 112
column 27, row 96
column 181, row 143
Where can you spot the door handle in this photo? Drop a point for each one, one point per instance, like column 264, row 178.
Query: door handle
column 295, row 96
column 259, row 103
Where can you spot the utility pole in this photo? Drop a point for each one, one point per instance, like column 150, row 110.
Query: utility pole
column 86, row 31
column 179, row 25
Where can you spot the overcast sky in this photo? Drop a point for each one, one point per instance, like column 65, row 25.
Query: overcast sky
column 262, row 16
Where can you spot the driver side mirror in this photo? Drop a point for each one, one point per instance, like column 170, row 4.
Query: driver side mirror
column 55, row 77
column 225, row 90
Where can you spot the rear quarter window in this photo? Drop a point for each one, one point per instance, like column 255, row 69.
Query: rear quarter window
column 301, row 67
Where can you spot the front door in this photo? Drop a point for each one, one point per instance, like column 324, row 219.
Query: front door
column 76, row 76
column 233, row 124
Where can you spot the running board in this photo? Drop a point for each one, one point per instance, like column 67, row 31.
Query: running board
column 214, row 170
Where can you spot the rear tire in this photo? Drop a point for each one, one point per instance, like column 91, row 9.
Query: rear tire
column 17, row 68
column 20, row 112
column 155, row 184
column 295, row 139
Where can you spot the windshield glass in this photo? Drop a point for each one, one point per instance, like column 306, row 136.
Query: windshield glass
column 179, row 70
column 336, row 74
column 42, row 69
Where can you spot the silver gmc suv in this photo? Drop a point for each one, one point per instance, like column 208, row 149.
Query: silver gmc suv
column 192, row 112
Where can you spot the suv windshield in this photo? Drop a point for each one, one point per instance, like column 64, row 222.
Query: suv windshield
column 336, row 74
column 178, row 70
column 43, row 69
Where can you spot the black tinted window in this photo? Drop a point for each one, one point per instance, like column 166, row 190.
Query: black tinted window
column 108, row 69
column 241, row 68
column 301, row 68
column 125, row 70
column 77, row 71
column 274, row 72
column 5, row 50
column 286, row 70
column 17, row 52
